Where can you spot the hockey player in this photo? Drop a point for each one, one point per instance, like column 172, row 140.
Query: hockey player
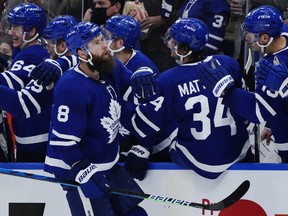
column 35, row 100
column 123, row 32
column 54, row 35
column 210, row 138
column 27, row 22
column 262, row 28
column 215, row 14
column 84, row 145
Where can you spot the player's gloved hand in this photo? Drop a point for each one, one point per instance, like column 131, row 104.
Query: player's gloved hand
column 144, row 84
column 136, row 162
column 47, row 72
column 272, row 76
column 215, row 76
column 92, row 182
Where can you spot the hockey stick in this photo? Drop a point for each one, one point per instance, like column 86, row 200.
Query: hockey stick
column 228, row 201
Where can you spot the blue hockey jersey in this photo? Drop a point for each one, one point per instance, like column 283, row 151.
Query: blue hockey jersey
column 138, row 59
column 264, row 105
column 84, row 125
column 215, row 14
column 31, row 134
column 210, row 137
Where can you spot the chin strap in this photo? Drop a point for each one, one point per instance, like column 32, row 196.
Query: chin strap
column 114, row 51
column 87, row 60
column 180, row 61
column 25, row 42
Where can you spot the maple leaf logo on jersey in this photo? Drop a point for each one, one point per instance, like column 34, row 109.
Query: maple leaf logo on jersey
column 112, row 123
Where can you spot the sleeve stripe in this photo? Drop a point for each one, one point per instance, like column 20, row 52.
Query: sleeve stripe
column 24, row 107
column 211, row 46
column 62, row 143
column 265, row 104
column 10, row 85
column 65, row 136
column 127, row 93
column 56, row 163
column 136, row 128
column 146, row 120
column 32, row 99
column 215, row 37
column 16, row 78
column 32, row 139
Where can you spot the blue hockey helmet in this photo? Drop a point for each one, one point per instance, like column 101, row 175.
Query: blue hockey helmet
column 58, row 27
column 124, row 27
column 28, row 15
column 80, row 34
column 190, row 31
column 264, row 19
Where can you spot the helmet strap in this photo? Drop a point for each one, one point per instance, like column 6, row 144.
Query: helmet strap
column 180, row 61
column 25, row 42
column 264, row 46
column 114, row 51
column 60, row 54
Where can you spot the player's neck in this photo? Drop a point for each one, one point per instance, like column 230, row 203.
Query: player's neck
column 124, row 56
column 276, row 45
column 93, row 74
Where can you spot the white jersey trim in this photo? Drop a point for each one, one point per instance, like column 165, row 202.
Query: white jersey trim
column 32, row 139
column 210, row 168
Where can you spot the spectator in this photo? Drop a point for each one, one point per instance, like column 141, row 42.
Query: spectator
column 101, row 10
column 157, row 24
column 6, row 49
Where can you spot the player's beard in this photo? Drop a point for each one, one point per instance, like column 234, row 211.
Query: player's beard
column 104, row 65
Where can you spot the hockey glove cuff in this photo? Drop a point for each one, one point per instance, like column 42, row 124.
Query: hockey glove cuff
column 92, row 182
column 215, row 77
column 137, row 161
column 47, row 72
column 144, row 85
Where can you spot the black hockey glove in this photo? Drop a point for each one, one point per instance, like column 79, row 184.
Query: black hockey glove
column 215, row 76
column 137, row 162
column 144, row 84
column 47, row 72
column 92, row 182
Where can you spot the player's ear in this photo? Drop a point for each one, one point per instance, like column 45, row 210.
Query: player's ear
column 82, row 54
column 183, row 49
column 32, row 32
